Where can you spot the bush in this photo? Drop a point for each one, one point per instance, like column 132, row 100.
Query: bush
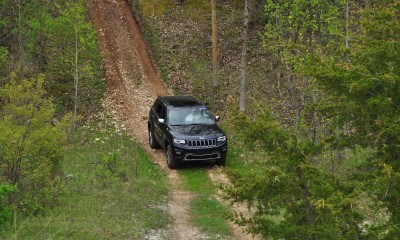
column 30, row 143
column 5, row 208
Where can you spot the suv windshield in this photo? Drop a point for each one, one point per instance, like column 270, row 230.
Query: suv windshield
column 190, row 116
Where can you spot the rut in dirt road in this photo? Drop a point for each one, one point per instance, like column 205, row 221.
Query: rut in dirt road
column 132, row 84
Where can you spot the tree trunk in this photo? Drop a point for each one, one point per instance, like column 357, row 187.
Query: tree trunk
column 20, row 48
column 243, row 72
column 347, row 23
column 311, row 215
column 76, row 78
column 214, row 43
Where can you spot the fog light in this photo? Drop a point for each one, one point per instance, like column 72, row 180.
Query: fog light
column 178, row 151
column 224, row 149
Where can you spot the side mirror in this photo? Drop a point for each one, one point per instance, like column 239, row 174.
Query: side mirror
column 217, row 118
column 161, row 120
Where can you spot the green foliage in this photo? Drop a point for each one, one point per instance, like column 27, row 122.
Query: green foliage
column 197, row 10
column 49, row 32
column 292, row 30
column 90, row 202
column 5, row 208
column 78, row 30
column 111, row 168
column 366, row 78
column 295, row 27
column 7, row 15
column 294, row 197
column 3, row 55
column 30, row 143
column 3, row 58
column 302, row 21
column 152, row 34
column 304, row 188
column 154, row 7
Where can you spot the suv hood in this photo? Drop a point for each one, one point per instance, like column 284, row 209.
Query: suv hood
column 206, row 131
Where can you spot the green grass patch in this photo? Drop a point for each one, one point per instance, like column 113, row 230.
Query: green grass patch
column 112, row 191
column 244, row 160
column 210, row 215
column 207, row 212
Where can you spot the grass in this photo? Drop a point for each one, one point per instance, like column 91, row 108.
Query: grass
column 112, row 191
column 207, row 212
column 244, row 160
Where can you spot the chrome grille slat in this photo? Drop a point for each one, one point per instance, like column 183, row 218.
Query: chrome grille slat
column 202, row 143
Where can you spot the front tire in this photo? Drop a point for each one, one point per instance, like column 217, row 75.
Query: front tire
column 171, row 161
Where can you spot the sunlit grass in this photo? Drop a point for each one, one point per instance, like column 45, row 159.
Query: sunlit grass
column 112, row 191
column 208, row 213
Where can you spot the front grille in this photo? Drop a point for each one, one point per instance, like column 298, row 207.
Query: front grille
column 202, row 143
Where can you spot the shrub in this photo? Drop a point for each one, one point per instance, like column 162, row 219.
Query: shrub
column 5, row 208
column 30, row 143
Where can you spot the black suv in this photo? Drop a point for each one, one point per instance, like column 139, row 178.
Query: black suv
column 186, row 130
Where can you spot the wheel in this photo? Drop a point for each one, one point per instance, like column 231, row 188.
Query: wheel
column 221, row 161
column 171, row 161
column 152, row 141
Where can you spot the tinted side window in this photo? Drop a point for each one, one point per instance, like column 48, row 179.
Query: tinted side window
column 160, row 110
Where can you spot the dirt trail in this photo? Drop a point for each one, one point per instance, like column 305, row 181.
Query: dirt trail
column 133, row 83
column 126, row 58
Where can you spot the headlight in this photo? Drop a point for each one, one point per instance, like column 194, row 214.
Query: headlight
column 221, row 139
column 179, row 141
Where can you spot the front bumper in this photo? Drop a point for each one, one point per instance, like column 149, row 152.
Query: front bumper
column 187, row 154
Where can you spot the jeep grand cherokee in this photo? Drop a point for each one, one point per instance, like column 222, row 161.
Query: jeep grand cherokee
column 186, row 130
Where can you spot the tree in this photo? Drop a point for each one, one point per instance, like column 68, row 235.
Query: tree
column 366, row 78
column 293, row 198
column 85, row 60
column 5, row 208
column 293, row 29
column 214, row 43
column 60, row 41
column 243, row 80
column 347, row 24
column 76, row 14
column 294, row 191
column 31, row 141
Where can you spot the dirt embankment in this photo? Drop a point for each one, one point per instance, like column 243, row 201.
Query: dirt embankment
column 133, row 83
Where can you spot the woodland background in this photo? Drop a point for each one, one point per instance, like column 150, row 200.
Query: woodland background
column 318, row 137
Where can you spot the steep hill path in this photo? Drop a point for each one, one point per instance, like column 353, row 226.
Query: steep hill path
column 133, row 82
